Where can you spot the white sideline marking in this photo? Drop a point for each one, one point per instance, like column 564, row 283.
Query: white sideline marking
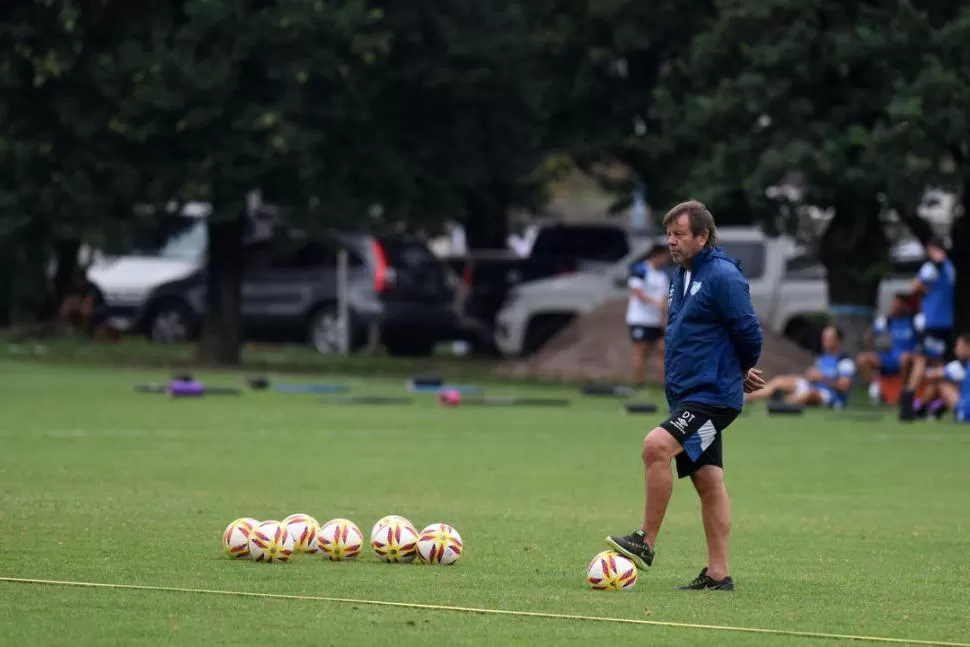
column 192, row 433
column 494, row 612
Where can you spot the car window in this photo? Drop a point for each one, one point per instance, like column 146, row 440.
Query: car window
column 297, row 252
column 751, row 255
column 586, row 242
column 408, row 254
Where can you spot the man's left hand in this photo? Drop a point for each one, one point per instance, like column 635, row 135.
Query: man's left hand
column 753, row 380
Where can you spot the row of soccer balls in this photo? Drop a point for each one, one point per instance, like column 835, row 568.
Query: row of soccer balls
column 393, row 538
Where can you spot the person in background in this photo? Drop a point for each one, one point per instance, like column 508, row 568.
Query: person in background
column 646, row 311
column 894, row 340
column 948, row 387
column 826, row 383
column 79, row 307
column 936, row 284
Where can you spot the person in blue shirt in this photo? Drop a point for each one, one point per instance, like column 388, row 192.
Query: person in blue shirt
column 712, row 344
column 936, row 284
column 894, row 340
column 949, row 385
column 827, row 382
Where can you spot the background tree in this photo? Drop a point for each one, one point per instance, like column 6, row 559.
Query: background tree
column 223, row 96
column 463, row 104
column 64, row 174
column 605, row 60
column 795, row 89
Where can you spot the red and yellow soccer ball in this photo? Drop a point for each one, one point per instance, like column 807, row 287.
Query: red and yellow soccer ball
column 270, row 542
column 340, row 540
column 383, row 521
column 303, row 528
column 396, row 541
column 439, row 543
column 611, row 571
column 235, row 539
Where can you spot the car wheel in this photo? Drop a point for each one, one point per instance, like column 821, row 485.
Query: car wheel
column 325, row 329
column 170, row 322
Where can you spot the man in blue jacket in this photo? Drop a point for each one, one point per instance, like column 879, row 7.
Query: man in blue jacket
column 713, row 342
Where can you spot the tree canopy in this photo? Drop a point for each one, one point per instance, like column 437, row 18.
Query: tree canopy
column 371, row 112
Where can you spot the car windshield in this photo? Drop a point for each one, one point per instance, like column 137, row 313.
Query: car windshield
column 179, row 238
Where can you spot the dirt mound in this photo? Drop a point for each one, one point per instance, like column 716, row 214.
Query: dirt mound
column 597, row 347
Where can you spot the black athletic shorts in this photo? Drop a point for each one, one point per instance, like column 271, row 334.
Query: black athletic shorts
column 937, row 343
column 645, row 334
column 698, row 429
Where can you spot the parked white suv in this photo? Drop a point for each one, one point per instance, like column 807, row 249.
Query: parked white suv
column 786, row 301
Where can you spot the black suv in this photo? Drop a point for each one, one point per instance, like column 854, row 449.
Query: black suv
column 289, row 293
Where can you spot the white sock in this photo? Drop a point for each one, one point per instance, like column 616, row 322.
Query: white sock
column 874, row 391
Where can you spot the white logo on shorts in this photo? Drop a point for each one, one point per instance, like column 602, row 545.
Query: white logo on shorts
column 685, row 419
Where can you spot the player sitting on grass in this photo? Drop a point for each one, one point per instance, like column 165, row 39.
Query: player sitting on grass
column 827, row 382
column 948, row 387
column 894, row 340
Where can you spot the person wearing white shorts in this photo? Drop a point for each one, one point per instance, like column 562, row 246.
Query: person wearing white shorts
column 646, row 311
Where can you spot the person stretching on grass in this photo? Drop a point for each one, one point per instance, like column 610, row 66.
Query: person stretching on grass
column 948, row 387
column 827, row 382
column 712, row 344
column 893, row 339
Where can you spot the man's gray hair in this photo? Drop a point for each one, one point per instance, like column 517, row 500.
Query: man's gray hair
column 699, row 217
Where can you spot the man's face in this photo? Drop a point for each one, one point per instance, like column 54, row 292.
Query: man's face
column 897, row 308
column 683, row 244
column 963, row 349
column 830, row 340
column 936, row 254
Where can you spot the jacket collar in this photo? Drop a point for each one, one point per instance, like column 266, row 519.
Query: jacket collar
column 700, row 260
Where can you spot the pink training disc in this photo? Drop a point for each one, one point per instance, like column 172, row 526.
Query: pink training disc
column 449, row 398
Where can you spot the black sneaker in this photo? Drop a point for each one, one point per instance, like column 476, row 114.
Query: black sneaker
column 634, row 546
column 704, row 582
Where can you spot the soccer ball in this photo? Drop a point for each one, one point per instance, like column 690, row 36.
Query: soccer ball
column 271, row 542
column 396, row 542
column 303, row 528
column 235, row 539
column 611, row 571
column 383, row 521
column 340, row 539
column 439, row 543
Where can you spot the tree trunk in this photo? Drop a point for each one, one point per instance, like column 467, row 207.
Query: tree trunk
column 855, row 252
column 65, row 263
column 221, row 337
column 486, row 226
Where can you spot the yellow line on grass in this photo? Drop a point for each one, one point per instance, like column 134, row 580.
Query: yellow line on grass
column 493, row 612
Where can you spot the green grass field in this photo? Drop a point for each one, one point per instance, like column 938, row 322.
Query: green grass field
column 840, row 526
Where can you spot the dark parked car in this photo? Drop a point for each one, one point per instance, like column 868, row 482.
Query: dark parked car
column 289, row 293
